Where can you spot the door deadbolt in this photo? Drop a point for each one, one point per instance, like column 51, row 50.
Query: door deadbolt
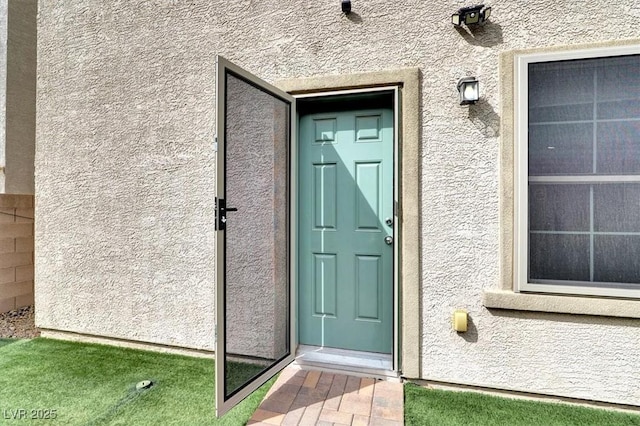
column 389, row 221
column 388, row 240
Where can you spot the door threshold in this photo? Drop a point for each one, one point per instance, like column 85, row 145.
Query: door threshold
column 343, row 361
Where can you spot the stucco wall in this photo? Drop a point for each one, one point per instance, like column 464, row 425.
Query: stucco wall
column 20, row 96
column 125, row 173
column 18, row 53
column 256, row 259
column 3, row 85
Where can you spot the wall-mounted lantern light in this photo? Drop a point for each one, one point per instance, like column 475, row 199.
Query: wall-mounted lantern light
column 469, row 89
column 472, row 15
column 346, row 7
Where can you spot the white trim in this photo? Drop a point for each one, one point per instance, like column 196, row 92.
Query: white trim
column 396, row 230
column 580, row 290
column 346, row 92
column 585, row 179
column 566, row 55
column 521, row 167
column 522, row 179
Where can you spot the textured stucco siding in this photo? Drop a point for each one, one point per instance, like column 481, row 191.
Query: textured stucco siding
column 20, row 96
column 3, row 87
column 125, row 171
column 18, row 51
column 256, row 258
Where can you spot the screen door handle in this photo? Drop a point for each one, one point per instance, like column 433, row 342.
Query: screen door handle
column 221, row 213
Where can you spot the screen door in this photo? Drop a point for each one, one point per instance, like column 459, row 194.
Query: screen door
column 254, row 330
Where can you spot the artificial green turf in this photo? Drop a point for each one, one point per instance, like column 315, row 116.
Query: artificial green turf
column 240, row 373
column 443, row 408
column 7, row 341
column 89, row 384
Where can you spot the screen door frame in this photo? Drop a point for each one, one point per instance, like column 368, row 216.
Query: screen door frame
column 224, row 68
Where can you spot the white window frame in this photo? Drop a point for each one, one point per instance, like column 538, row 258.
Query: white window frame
column 521, row 172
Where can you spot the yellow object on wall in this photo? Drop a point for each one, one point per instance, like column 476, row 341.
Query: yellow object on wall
column 460, row 319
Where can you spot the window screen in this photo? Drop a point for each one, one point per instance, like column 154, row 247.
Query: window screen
column 584, row 172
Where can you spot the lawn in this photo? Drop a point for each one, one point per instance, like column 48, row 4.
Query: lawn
column 93, row 385
column 443, row 408
column 6, row 341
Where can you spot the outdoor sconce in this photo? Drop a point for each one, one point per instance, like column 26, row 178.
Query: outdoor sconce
column 346, row 7
column 469, row 89
column 472, row 15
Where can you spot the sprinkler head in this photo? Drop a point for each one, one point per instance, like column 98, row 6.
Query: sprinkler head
column 145, row 384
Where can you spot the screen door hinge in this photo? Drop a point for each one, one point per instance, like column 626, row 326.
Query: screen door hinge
column 215, row 143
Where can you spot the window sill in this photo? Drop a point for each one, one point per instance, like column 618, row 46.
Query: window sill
column 600, row 306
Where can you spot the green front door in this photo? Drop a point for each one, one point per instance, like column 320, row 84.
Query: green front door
column 346, row 229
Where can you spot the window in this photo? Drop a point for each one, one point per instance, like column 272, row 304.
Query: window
column 578, row 172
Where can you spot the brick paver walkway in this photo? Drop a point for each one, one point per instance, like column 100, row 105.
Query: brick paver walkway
column 301, row 397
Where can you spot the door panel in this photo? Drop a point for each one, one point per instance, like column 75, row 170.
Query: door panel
column 368, row 198
column 346, row 192
column 368, row 287
column 325, row 194
column 253, row 297
column 325, row 281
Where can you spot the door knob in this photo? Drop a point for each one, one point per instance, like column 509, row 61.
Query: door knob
column 388, row 240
